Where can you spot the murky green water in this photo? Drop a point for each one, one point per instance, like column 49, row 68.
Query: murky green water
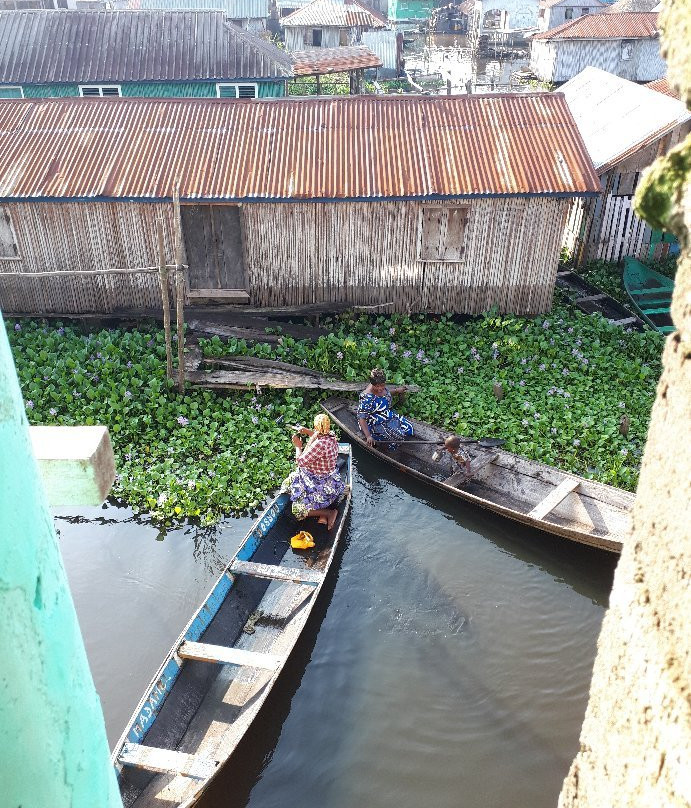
column 446, row 665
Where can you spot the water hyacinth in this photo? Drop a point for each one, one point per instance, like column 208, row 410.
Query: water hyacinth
column 235, row 435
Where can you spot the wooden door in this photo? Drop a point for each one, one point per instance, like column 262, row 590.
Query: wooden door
column 213, row 243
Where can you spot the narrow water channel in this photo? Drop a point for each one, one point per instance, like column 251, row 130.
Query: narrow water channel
column 447, row 664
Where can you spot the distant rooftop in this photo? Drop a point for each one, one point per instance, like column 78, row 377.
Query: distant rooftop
column 335, row 14
column 321, row 61
column 632, row 5
column 662, row 86
column 616, row 117
column 53, row 46
column 606, row 26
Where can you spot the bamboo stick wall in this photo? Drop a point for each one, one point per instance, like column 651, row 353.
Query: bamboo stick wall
column 366, row 253
column 363, row 253
column 84, row 236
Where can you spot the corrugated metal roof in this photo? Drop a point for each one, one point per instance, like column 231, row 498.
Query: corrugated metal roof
column 662, row 86
column 360, row 147
column 334, row 14
column 628, row 6
column 616, row 117
column 632, row 25
column 235, row 9
column 321, row 61
column 43, row 47
column 589, row 3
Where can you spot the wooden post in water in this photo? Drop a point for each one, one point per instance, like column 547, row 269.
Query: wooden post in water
column 179, row 293
column 165, row 302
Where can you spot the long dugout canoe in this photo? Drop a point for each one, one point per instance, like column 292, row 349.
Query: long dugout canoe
column 524, row 490
column 222, row 667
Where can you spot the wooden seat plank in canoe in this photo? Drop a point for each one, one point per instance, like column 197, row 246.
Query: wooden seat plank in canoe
column 476, row 465
column 276, row 573
column 641, row 292
column 166, row 761
column 550, row 502
column 201, row 652
column 664, row 310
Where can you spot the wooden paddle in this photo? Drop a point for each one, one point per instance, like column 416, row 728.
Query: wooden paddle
column 452, row 442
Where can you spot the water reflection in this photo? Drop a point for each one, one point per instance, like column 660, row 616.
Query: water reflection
column 447, row 662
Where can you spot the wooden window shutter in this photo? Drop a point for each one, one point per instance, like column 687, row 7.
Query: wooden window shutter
column 443, row 233
column 8, row 244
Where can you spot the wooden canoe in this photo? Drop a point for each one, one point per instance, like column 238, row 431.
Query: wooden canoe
column 651, row 294
column 224, row 664
column 520, row 489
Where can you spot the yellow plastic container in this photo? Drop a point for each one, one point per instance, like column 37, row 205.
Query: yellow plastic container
column 302, row 541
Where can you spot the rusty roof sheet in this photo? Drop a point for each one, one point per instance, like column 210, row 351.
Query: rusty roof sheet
column 360, row 147
column 334, row 14
column 53, row 46
column 630, row 25
column 321, row 61
column 662, row 86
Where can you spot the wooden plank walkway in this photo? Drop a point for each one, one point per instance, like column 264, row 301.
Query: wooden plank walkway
column 251, row 372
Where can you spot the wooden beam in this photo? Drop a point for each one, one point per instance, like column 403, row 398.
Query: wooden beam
column 599, row 296
column 201, row 652
column 550, row 502
column 224, row 295
column 276, row 573
column 626, row 321
column 278, row 379
column 166, row 761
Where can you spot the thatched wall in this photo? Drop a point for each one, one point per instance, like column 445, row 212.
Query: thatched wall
column 360, row 252
column 54, row 237
column 366, row 253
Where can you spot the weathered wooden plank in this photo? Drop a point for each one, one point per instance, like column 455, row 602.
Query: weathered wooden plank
column 225, row 295
column 600, row 296
column 230, row 331
column 476, row 465
column 276, row 573
column 166, row 761
column 258, row 362
column 550, row 502
column 282, row 380
column 201, row 652
column 625, row 321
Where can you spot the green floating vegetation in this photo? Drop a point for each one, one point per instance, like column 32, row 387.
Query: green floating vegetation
column 567, row 380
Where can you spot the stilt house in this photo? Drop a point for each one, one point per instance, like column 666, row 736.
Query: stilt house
column 135, row 53
column 625, row 127
column 626, row 44
column 449, row 203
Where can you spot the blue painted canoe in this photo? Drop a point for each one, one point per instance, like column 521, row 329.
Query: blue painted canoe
column 224, row 664
column 651, row 294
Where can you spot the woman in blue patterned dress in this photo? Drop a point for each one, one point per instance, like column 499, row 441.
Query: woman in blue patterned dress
column 378, row 421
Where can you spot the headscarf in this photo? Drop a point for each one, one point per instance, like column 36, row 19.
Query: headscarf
column 322, row 424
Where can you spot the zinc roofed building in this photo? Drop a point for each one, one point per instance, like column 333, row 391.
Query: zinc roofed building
column 135, row 53
column 448, row 203
column 624, row 44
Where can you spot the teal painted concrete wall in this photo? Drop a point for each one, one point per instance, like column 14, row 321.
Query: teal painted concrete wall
column 199, row 89
column 53, row 747
column 410, row 9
